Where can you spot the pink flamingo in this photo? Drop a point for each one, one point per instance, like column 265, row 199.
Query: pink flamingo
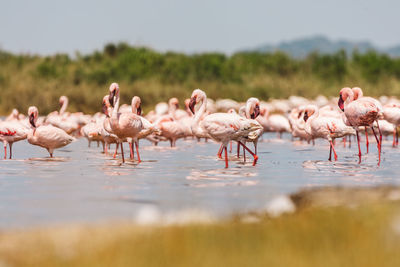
column 391, row 113
column 62, row 119
column 319, row 126
column 10, row 132
column 123, row 125
column 46, row 136
column 222, row 127
column 148, row 127
column 251, row 111
column 106, row 131
column 361, row 112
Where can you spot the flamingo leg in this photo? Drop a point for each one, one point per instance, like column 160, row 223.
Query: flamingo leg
column 366, row 139
column 394, row 137
column 116, row 150
column 131, row 150
column 255, row 147
column 330, row 151
column 378, row 144
column 226, row 158
column 238, row 150
column 221, row 149
column 10, row 145
column 397, row 137
column 137, row 150
column 5, row 150
column 89, row 143
column 122, row 152
column 344, row 141
column 380, row 134
column 244, row 155
column 333, row 148
column 359, row 149
column 106, row 149
column 254, row 155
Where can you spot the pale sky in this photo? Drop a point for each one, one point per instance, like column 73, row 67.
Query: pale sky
column 49, row 26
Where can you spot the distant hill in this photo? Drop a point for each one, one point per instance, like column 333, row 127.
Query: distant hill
column 300, row 48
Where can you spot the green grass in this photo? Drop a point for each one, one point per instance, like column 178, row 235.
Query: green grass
column 362, row 236
column 27, row 80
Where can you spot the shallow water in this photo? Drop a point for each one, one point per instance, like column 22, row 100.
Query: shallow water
column 83, row 185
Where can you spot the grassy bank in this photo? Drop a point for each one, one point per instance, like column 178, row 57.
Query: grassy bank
column 364, row 235
column 36, row 80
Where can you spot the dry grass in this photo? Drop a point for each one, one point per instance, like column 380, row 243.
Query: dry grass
column 340, row 236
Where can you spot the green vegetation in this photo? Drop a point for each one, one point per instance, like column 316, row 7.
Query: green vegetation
column 338, row 236
column 34, row 80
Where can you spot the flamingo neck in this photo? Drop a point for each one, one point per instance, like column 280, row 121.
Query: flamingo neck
column 116, row 106
column 201, row 111
column 64, row 107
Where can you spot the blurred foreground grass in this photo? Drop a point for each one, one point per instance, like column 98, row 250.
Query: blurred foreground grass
column 368, row 235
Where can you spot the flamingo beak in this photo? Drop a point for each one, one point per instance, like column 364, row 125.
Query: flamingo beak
column 256, row 112
column 177, row 105
column 341, row 103
column 305, row 116
column 192, row 103
column 32, row 120
column 139, row 110
column 111, row 98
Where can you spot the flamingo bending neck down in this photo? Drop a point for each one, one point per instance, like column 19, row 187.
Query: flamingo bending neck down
column 360, row 112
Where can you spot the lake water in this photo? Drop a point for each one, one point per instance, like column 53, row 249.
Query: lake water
column 83, row 185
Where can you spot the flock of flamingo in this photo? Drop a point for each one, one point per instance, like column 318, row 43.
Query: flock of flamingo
column 304, row 119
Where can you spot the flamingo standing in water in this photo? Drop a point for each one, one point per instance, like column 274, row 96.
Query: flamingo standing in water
column 358, row 94
column 250, row 111
column 10, row 132
column 46, row 136
column 319, row 126
column 391, row 113
column 106, row 131
column 222, row 127
column 148, row 127
column 361, row 112
column 124, row 125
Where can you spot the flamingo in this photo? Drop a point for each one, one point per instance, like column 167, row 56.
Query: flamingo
column 61, row 119
column 358, row 94
column 148, row 127
column 273, row 123
column 297, row 124
column 46, row 136
column 10, row 132
column 251, row 111
column 325, row 127
column 391, row 113
column 361, row 112
column 123, row 125
column 222, row 127
column 106, row 131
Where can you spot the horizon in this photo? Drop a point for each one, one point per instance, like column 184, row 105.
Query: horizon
column 45, row 28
